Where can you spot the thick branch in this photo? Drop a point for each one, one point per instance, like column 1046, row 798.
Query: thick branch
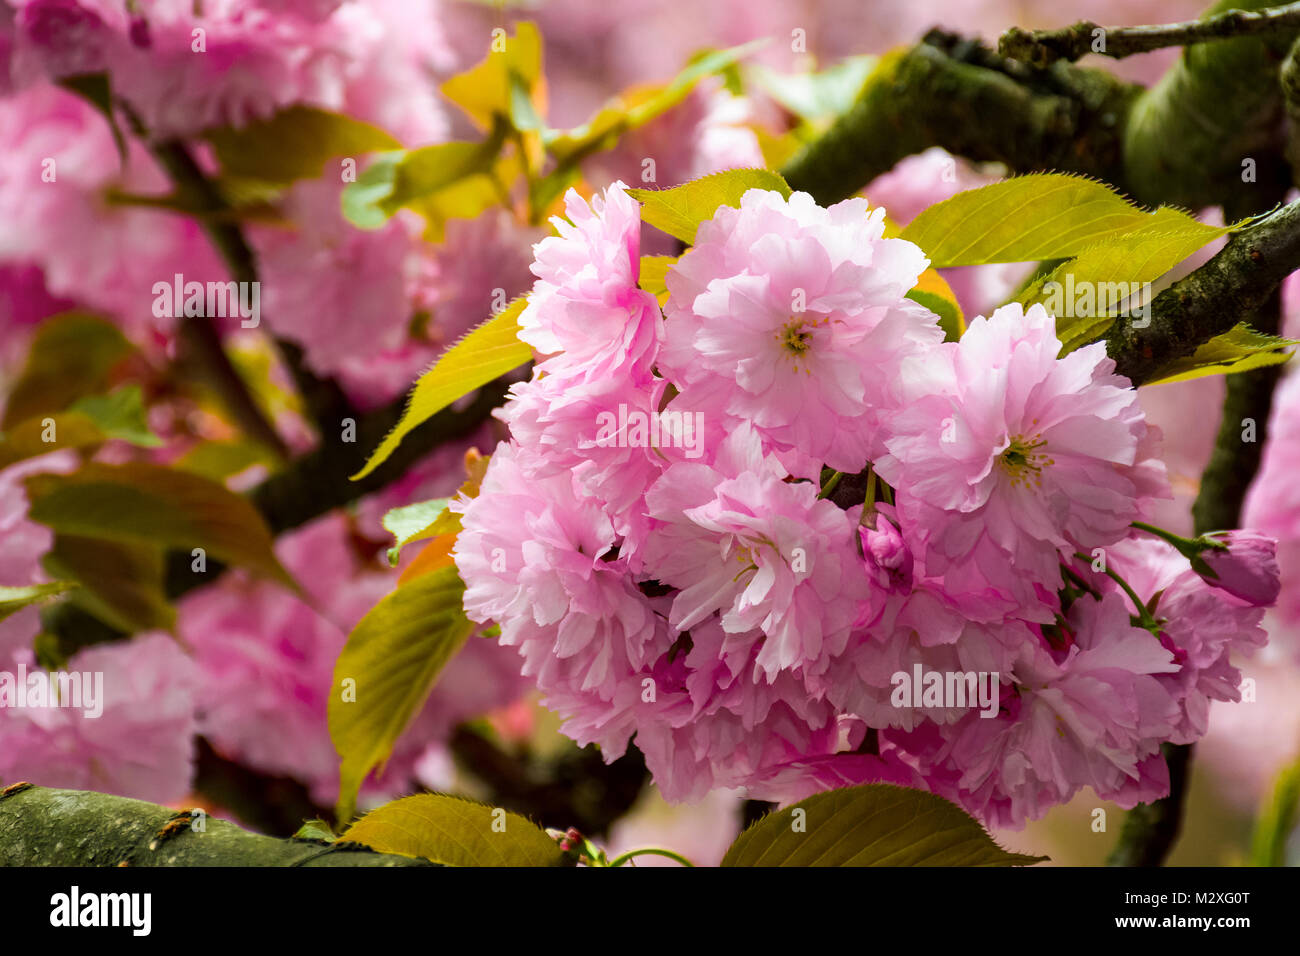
column 955, row 93
column 1192, row 139
column 1226, row 290
column 1042, row 47
column 44, row 827
column 1150, row 829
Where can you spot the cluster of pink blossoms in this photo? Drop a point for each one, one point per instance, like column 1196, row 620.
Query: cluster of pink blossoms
column 742, row 526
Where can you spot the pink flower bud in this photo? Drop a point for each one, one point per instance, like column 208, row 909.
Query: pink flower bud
column 1247, row 569
column 886, row 555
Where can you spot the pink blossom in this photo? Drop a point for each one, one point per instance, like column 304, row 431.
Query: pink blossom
column 343, row 294
column 22, row 543
column 102, row 256
column 793, row 318
column 585, row 302
column 1009, row 455
column 721, row 723
column 1272, row 504
column 1090, row 716
column 768, row 554
column 537, row 559
column 266, row 660
column 1202, row 625
column 140, row 745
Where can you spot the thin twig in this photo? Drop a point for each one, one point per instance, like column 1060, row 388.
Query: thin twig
column 1042, row 47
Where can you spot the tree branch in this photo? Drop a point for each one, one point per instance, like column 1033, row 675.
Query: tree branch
column 1043, row 47
column 952, row 92
column 1210, row 301
column 1186, row 141
column 44, row 827
column 1150, row 829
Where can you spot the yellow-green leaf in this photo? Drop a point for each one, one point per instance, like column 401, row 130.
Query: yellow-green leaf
column 413, row 522
column 220, row 460
column 1086, row 292
column 14, row 599
column 819, row 97
column 386, row 670
column 90, row 421
column 456, row 832
column 488, row 351
column 72, row 356
column 293, row 144
column 151, row 504
column 1276, row 820
column 680, row 210
column 877, row 824
column 484, row 90
column 122, row 583
column 1238, row 350
column 933, row 292
column 654, row 275
column 404, row 178
column 633, row 109
column 1039, row 216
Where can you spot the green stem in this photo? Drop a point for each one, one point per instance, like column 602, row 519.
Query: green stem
column 651, row 851
column 831, row 482
column 1143, row 614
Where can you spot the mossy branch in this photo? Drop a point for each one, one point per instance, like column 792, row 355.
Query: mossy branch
column 40, row 826
column 1042, row 47
column 953, row 92
column 1228, row 289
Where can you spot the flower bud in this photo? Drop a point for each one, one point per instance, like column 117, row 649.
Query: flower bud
column 1247, row 568
column 885, row 554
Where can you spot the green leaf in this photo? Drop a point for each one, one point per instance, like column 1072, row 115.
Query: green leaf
column 484, row 90
column 120, row 414
column 14, row 599
column 632, row 110
column 933, row 292
column 144, row 503
column 654, row 275
column 220, row 460
column 949, row 313
column 398, row 179
column 456, row 832
column 90, row 421
column 819, row 97
column 72, row 356
column 412, row 522
column 295, row 143
column 490, row 350
column 386, row 670
column 122, row 583
column 1039, row 216
column 1277, row 819
column 317, row 830
column 680, row 210
column 877, row 824
column 1114, row 270
column 1238, row 350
